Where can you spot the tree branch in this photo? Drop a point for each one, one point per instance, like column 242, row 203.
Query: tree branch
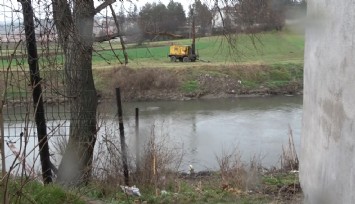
column 120, row 36
column 104, row 5
column 172, row 35
column 106, row 37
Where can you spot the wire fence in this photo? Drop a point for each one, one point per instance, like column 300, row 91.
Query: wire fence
column 20, row 133
column 15, row 76
column 13, row 60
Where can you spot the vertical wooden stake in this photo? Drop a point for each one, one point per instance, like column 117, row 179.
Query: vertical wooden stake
column 122, row 137
column 137, row 141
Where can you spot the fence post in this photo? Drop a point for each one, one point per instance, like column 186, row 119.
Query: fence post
column 122, row 137
column 137, row 141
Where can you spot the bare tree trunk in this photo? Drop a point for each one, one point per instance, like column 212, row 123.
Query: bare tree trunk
column 76, row 35
column 37, row 91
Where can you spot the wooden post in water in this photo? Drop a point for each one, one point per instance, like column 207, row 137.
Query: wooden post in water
column 137, row 141
column 122, row 137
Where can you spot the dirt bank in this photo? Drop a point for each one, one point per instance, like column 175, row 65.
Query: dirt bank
column 200, row 82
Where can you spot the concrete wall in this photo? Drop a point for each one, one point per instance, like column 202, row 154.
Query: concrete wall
column 327, row 169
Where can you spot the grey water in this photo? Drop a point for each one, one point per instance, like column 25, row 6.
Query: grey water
column 206, row 129
column 202, row 130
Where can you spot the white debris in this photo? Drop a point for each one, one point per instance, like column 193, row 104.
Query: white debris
column 191, row 169
column 133, row 190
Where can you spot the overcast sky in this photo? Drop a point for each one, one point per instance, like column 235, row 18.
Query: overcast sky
column 185, row 3
column 6, row 6
column 141, row 3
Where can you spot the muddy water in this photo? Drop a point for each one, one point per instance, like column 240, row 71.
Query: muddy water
column 199, row 130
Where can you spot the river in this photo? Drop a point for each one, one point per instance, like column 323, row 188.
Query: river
column 202, row 130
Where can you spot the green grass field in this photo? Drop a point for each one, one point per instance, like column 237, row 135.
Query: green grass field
column 266, row 48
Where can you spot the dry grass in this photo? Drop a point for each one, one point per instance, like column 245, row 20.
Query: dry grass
column 235, row 174
column 107, row 162
column 160, row 161
column 170, row 83
column 133, row 81
column 59, row 144
column 289, row 158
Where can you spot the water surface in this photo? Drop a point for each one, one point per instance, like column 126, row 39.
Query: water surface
column 201, row 129
column 256, row 126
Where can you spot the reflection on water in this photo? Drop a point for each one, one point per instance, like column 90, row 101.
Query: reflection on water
column 205, row 128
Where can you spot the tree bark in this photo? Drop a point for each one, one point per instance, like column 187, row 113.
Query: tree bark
column 76, row 35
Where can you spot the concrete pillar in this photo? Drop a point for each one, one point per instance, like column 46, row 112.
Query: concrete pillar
column 327, row 168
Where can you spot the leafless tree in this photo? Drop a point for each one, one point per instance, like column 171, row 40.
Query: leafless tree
column 251, row 15
column 74, row 21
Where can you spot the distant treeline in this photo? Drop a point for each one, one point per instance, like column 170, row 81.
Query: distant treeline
column 157, row 21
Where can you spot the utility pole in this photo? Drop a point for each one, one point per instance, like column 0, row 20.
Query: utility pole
column 193, row 48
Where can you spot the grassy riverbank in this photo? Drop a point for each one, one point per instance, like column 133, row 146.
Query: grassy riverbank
column 180, row 83
column 272, row 187
column 200, row 82
column 262, row 64
column 28, row 191
column 266, row 63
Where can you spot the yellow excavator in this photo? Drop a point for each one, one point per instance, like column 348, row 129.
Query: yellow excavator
column 184, row 53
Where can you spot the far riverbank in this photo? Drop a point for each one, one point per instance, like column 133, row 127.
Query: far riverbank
column 185, row 83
